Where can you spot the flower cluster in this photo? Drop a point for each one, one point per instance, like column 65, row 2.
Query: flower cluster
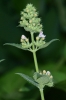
column 41, row 36
column 43, row 79
column 40, row 39
column 25, row 42
column 46, row 73
column 29, row 19
column 38, row 43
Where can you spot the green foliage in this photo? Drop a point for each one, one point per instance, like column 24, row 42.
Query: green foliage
column 43, row 45
column 29, row 79
column 46, row 44
column 52, row 58
column 43, row 79
column 16, row 45
column 2, row 60
column 10, row 83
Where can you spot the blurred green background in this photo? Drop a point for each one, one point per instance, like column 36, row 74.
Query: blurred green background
column 52, row 58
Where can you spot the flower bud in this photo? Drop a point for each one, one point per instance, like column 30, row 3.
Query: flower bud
column 51, row 76
column 37, row 38
column 40, row 73
column 44, row 71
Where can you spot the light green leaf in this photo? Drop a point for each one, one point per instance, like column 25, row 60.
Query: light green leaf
column 29, row 79
column 47, row 44
column 2, row 60
column 16, row 45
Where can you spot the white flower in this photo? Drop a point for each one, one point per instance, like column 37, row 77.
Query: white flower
column 23, row 37
column 48, row 73
column 41, row 35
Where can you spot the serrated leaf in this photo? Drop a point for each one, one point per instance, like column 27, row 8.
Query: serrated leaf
column 47, row 44
column 29, row 79
column 16, row 45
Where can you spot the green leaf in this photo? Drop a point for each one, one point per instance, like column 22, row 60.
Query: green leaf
column 2, row 60
column 10, row 82
column 58, row 76
column 16, row 45
column 47, row 44
column 61, row 85
column 29, row 79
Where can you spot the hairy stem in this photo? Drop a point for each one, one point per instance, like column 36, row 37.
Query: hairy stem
column 34, row 53
column 42, row 95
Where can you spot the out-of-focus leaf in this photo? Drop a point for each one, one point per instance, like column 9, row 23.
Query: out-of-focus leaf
column 2, row 60
column 24, row 89
column 10, row 82
column 29, row 79
column 58, row 76
column 48, row 43
column 61, row 85
column 64, row 51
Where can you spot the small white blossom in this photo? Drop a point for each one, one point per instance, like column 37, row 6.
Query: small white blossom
column 23, row 37
column 48, row 73
column 41, row 35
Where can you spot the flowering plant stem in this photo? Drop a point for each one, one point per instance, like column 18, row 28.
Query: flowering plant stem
column 36, row 64
column 34, row 53
column 42, row 94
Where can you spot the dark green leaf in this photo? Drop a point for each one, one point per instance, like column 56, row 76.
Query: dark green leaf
column 48, row 43
column 15, row 45
column 29, row 79
column 2, row 60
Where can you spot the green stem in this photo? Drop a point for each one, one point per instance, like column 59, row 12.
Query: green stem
column 34, row 53
column 42, row 94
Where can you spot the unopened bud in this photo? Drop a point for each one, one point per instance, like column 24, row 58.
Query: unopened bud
column 37, row 38
column 44, row 71
column 26, row 40
column 21, row 40
column 27, row 10
column 40, row 73
column 30, row 21
column 51, row 76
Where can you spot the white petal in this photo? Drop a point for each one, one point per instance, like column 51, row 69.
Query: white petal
column 48, row 73
column 41, row 35
column 23, row 37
